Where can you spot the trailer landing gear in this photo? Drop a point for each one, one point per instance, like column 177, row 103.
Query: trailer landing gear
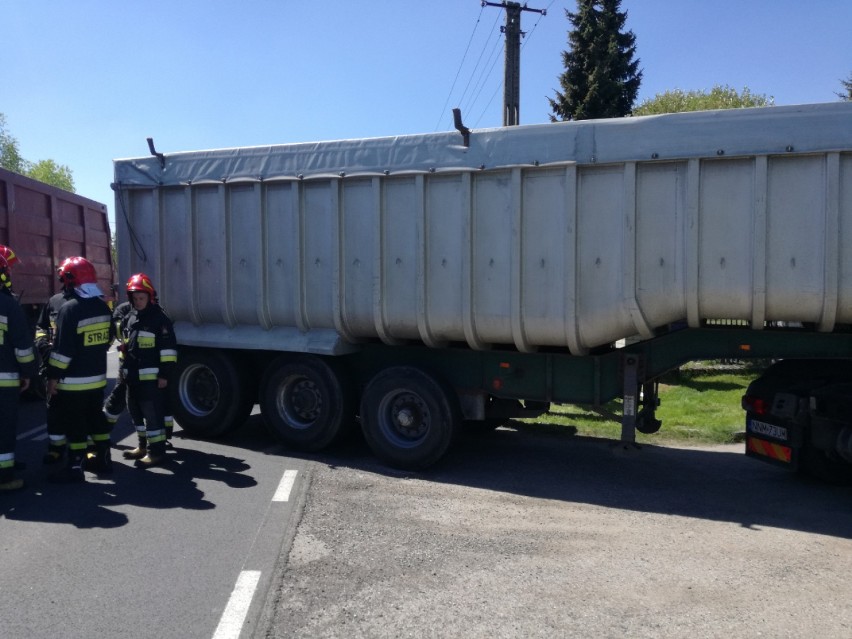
column 640, row 402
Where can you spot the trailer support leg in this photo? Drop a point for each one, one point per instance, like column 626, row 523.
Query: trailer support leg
column 630, row 399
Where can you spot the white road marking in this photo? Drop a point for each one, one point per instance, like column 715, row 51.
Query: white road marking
column 231, row 623
column 285, row 486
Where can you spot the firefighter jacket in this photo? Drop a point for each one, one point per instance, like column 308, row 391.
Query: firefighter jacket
column 46, row 324
column 17, row 358
column 83, row 334
column 149, row 344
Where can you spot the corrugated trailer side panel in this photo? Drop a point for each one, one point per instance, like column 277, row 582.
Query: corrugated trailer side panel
column 564, row 253
column 660, row 223
column 280, row 237
column 245, row 219
column 360, row 243
column 534, row 256
column 492, row 255
column 796, row 235
column 175, row 248
column 724, row 232
column 398, row 261
column 843, row 227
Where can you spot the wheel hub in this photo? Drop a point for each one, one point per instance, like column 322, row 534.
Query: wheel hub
column 301, row 401
column 410, row 416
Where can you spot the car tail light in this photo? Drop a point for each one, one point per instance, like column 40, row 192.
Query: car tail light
column 756, row 405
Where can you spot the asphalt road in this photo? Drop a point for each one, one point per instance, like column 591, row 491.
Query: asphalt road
column 184, row 550
column 516, row 533
column 522, row 533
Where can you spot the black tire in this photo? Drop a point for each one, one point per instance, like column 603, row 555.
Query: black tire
column 210, row 394
column 306, row 401
column 823, row 467
column 409, row 418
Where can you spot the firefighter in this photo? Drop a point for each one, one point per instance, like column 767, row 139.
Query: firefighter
column 77, row 371
column 44, row 336
column 17, row 366
column 150, row 352
column 116, row 401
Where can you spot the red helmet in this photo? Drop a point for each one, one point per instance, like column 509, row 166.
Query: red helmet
column 76, row 271
column 9, row 255
column 5, row 279
column 141, row 283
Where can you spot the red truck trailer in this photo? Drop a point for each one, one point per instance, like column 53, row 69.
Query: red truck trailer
column 44, row 225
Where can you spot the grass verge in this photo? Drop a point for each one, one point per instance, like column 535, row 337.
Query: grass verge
column 699, row 404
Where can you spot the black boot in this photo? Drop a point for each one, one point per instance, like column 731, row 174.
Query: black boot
column 100, row 461
column 72, row 473
column 8, row 481
column 54, row 455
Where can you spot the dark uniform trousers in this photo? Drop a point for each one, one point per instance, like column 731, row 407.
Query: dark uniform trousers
column 145, row 403
column 76, row 415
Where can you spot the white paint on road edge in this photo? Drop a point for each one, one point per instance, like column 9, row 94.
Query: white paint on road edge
column 231, row 623
column 286, row 485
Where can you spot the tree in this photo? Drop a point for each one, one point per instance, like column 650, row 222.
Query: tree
column 10, row 157
column 50, row 172
column 601, row 78
column 719, row 97
column 46, row 171
column 847, row 85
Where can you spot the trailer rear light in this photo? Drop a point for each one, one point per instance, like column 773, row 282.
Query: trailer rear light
column 756, row 405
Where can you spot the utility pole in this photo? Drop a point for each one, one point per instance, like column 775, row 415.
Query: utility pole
column 512, row 73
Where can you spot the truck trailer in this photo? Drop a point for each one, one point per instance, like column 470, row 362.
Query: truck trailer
column 44, row 225
column 424, row 284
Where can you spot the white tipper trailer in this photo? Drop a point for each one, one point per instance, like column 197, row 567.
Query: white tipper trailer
column 422, row 284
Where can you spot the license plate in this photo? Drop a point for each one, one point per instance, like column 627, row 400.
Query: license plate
column 769, row 430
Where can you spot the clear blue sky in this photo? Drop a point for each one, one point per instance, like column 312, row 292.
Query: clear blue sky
column 83, row 82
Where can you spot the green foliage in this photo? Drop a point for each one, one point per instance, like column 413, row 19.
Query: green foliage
column 719, row 97
column 46, row 171
column 601, row 78
column 697, row 406
column 10, row 157
column 50, row 172
column 847, row 87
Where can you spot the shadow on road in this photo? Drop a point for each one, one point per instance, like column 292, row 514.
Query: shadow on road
column 716, row 483
column 93, row 503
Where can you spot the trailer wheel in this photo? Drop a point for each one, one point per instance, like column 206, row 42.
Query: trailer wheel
column 823, row 467
column 305, row 402
column 209, row 395
column 409, row 418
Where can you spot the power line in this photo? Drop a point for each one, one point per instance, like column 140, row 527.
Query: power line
column 474, row 77
column 487, row 70
column 461, row 64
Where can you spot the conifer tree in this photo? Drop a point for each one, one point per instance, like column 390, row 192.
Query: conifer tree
column 601, row 77
column 847, row 87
